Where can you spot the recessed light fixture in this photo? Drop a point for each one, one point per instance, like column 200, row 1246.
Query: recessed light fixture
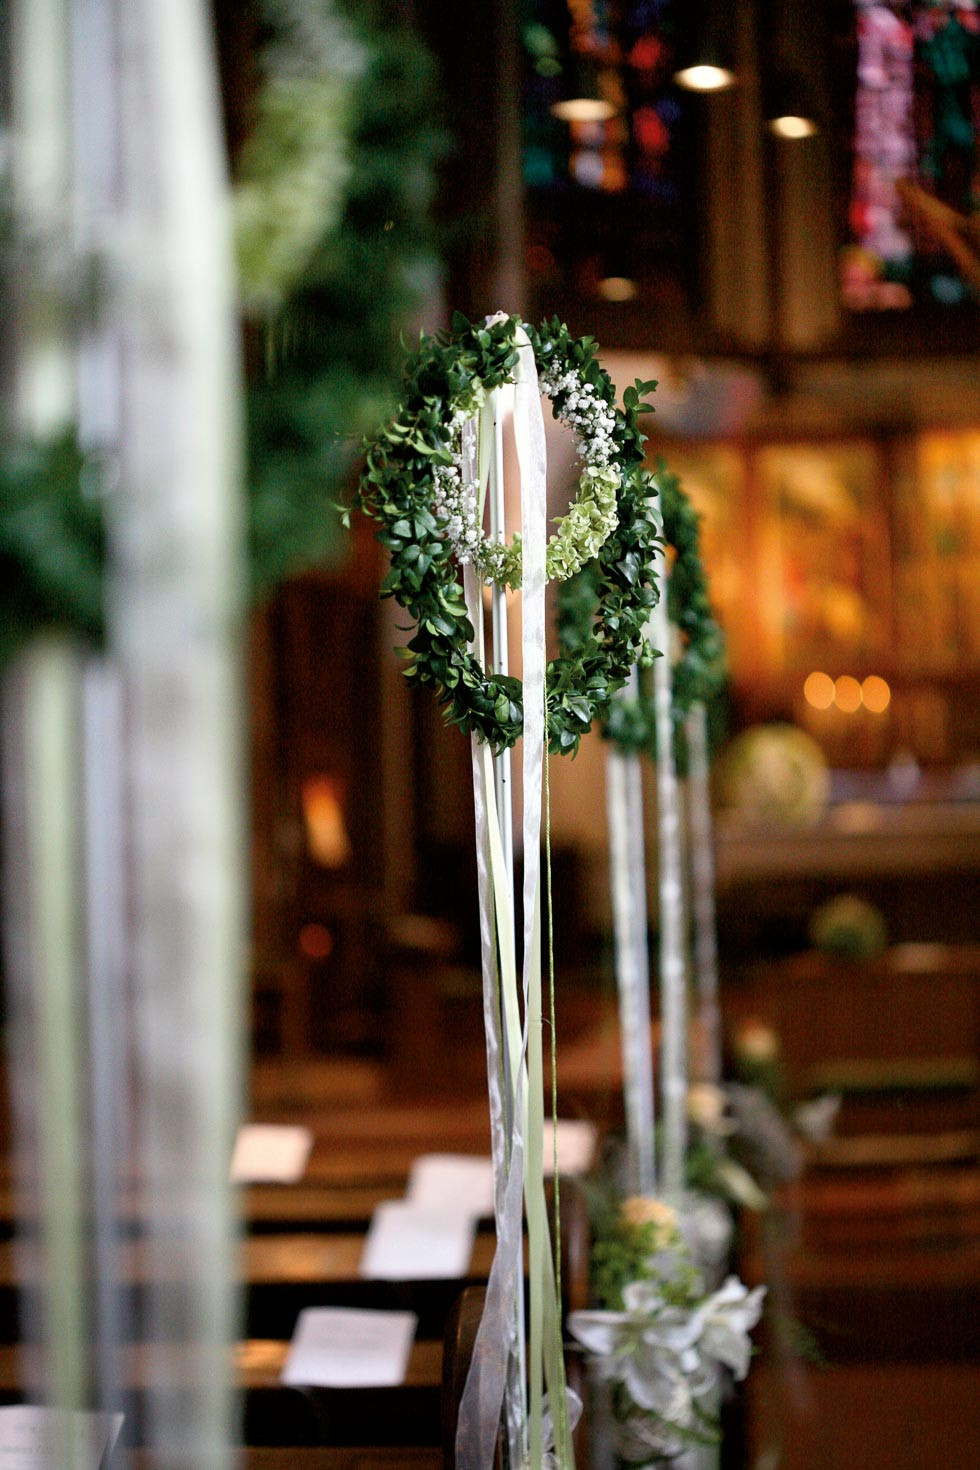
column 704, row 76
column 583, row 110
column 791, row 125
column 791, row 110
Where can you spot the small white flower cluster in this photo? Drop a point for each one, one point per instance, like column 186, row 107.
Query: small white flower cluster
column 589, row 522
column 589, row 417
column 456, row 501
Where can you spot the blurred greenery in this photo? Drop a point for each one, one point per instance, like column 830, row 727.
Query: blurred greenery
column 329, row 290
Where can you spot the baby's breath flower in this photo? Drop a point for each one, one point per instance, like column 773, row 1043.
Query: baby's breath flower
column 590, row 520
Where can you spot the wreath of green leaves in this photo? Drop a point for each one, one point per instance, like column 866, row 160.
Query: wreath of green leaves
column 397, row 490
column 699, row 671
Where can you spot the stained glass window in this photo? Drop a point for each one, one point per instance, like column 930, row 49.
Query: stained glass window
column 915, row 179
column 629, row 51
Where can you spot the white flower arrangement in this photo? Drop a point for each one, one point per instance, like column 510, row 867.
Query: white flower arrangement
column 662, row 1352
column 591, row 518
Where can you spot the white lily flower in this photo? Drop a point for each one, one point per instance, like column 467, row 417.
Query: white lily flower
column 725, row 1321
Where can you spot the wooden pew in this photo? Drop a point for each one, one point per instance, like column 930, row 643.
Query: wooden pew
column 318, row 1457
column 285, row 1273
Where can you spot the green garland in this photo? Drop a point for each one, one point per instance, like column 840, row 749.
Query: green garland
column 333, row 286
column 51, row 543
column 699, row 671
column 400, row 490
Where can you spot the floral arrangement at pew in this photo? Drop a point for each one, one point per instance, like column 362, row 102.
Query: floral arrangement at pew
column 430, row 472
column 746, row 1138
column 659, row 1337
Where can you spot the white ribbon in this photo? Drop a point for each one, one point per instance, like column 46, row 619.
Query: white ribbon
column 673, row 939
column 484, row 1392
column 624, row 806
column 703, row 889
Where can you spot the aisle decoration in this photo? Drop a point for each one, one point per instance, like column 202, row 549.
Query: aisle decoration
column 668, row 1320
column 675, row 694
column 430, row 473
column 662, row 1336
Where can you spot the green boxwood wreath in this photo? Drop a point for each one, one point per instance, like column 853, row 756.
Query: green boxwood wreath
column 398, row 489
column 699, row 673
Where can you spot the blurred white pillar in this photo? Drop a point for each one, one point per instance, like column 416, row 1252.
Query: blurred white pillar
column 43, row 932
column 123, row 810
column 175, row 621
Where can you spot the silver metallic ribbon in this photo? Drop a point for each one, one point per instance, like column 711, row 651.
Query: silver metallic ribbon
column 703, row 894
column 624, row 806
column 673, row 937
column 484, row 1392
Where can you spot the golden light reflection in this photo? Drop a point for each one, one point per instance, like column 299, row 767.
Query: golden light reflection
column 327, row 841
column 847, row 694
column 818, row 690
column 876, row 694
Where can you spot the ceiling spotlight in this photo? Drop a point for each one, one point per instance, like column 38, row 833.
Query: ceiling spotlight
column 704, row 76
column 790, row 112
column 706, row 51
column 583, row 110
column 583, row 99
column 792, row 125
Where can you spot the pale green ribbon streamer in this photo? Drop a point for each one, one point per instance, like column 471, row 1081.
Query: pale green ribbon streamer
column 673, row 939
column 703, row 890
column 627, row 871
column 484, row 1392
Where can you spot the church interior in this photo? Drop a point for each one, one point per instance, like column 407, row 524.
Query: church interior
column 245, row 875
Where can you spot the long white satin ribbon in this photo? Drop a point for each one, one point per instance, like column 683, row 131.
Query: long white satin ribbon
column 624, row 806
column 673, row 937
column 484, row 1392
column 703, row 893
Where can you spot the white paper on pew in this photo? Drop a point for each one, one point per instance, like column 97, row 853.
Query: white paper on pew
column 576, row 1146
column 411, row 1242
column 462, row 1183
column 271, row 1153
column 30, row 1435
column 342, row 1347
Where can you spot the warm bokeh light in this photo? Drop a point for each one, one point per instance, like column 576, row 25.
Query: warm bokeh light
column 584, row 110
column 618, row 288
column 327, row 841
column 818, row 690
column 847, row 694
column 792, row 127
column 876, row 694
column 315, row 941
column 704, row 78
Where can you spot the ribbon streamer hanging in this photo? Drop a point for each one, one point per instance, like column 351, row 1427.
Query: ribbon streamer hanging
column 673, row 938
column 703, row 894
column 514, row 1051
column 624, row 805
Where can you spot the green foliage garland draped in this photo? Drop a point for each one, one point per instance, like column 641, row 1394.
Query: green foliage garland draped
column 328, row 294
